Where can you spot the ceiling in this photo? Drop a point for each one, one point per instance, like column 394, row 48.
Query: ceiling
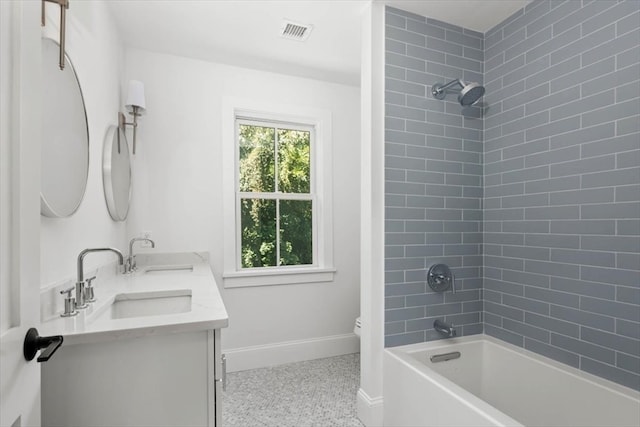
column 247, row 32
column 478, row 15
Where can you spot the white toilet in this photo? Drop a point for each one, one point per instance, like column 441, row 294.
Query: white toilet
column 356, row 328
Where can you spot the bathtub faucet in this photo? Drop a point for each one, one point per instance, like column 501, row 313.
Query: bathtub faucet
column 444, row 328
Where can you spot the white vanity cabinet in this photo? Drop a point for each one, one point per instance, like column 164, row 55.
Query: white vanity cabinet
column 145, row 353
column 153, row 380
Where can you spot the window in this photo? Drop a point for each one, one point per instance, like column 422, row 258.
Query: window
column 274, row 196
column 277, row 195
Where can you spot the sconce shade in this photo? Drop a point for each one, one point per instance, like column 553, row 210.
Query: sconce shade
column 135, row 97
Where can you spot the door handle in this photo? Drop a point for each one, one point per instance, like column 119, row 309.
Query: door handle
column 224, row 372
column 33, row 342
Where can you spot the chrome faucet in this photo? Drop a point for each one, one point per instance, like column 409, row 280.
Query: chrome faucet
column 130, row 266
column 82, row 286
column 444, row 328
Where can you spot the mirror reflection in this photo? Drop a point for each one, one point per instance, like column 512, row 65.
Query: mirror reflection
column 65, row 137
column 116, row 173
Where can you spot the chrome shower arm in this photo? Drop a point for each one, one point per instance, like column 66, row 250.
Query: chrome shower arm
column 468, row 94
column 451, row 83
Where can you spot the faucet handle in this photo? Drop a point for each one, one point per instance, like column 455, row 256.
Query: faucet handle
column 69, row 303
column 67, row 291
column 90, row 295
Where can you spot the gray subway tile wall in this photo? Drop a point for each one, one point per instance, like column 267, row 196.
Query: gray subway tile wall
column 574, row 143
column 433, row 178
column 535, row 202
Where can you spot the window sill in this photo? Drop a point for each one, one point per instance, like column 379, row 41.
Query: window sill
column 243, row 279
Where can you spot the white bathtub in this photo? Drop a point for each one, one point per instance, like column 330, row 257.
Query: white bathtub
column 494, row 383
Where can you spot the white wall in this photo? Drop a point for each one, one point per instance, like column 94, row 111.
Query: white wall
column 178, row 188
column 96, row 52
column 370, row 399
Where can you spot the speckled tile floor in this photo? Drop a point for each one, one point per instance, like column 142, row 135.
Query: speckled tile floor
column 314, row 393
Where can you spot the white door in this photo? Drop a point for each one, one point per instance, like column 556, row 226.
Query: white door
column 20, row 90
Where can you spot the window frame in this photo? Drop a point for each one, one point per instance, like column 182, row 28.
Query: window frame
column 288, row 116
column 276, row 195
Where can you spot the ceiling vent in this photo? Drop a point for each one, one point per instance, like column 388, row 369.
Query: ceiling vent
column 295, row 31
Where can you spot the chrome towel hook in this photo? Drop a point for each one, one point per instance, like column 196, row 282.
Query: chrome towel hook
column 64, row 5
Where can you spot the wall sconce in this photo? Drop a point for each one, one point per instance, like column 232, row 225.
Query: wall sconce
column 135, row 105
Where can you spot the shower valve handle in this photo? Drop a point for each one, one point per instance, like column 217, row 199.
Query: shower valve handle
column 440, row 278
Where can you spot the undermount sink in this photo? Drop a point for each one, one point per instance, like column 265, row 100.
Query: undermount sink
column 156, row 303
column 164, row 269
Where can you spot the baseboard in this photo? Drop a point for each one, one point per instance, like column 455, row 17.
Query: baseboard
column 262, row 356
column 369, row 409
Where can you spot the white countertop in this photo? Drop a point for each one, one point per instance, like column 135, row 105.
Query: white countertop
column 91, row 325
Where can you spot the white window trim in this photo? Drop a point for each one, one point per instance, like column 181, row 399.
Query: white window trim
column 323, row 269
column 276, row 194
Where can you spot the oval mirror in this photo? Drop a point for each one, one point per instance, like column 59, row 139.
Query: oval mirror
column 65, row 137
column 116, row 173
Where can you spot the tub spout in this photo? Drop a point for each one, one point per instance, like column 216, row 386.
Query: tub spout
column 444, row 328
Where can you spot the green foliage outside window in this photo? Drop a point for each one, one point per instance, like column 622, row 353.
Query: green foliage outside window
column 275, row 160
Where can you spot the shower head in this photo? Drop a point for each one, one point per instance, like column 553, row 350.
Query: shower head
column 469, row 93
